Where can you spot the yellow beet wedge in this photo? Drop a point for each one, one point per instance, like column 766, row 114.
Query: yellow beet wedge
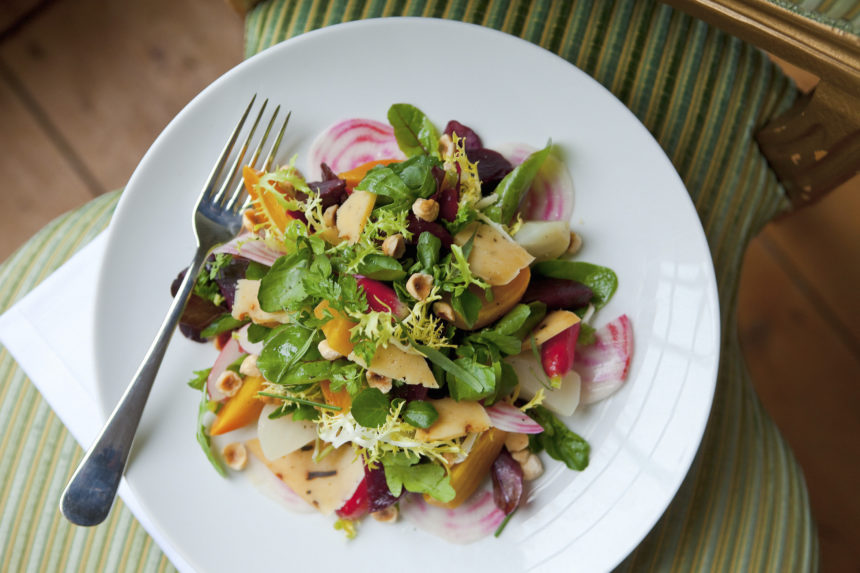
column 240, row 410
column 337, row 329
column 468, row 474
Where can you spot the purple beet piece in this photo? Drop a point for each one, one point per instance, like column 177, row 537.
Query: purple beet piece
column 557, row 293
column 228, row 277
column 332, row 189
column 448, row 200
column 417, row 226
column 378, row 494
column 472, row 141
column 492, row 167
column 507, row 482
column 409, row 392
column 198, row 314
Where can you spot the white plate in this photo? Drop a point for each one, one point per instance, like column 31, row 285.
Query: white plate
column 631, row 208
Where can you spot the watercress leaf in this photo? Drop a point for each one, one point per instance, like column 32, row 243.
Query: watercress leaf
column 255, row 270
column 513, row 187
column 417, row 173
column 282, row 287
column 463, row 375
column 428, row 250
column 199, row 380
column 505, row 384
column 370, row 408
column 203, row 437
column 601, row 280
column 381, row 268
column 223, row 323
column 558, row 440
column 507, row 344
column 415, row 133
column 386, row 183
column 430, row 478
column 303, row 412
column 420, row 414
column 304, row 372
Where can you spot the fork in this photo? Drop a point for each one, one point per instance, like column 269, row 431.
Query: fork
column 217, row 218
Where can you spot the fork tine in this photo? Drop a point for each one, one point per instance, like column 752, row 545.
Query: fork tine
column 225, row 152
column 235, row 167
column 271, row 157
column 240, row 186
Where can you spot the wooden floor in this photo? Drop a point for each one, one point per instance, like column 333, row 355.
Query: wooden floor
column 87, row 85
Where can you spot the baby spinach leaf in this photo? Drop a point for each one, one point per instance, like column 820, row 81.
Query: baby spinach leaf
column 428, row 250
column 601, row 280
column 468, row 306
column 381, row 268
column 415, row 133
column 558, row 440
column 282, row 287
column 485, row 375
column 257, row 333
column 286, row 346
column 370, row 408
column 420, row 414
column 223, row 323
column 514, row 186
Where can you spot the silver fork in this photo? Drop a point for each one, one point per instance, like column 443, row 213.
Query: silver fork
column 88, row 497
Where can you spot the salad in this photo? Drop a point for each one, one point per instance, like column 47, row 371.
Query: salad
column 400, row 330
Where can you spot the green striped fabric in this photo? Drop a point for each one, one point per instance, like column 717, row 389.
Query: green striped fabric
column 842, row 14
column 743, row 507
column 37, row 454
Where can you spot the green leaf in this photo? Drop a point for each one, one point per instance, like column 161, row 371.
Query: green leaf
column 428, row 250
column 223, row 323
column 286, row 346
column 415, row 133
column 602, row 281
column 513, row 187
column 199, row 380
column 402, row 471
column 537, row 312
column 381, row 268
column 420, row 414
column 258, row 333
column 558, row 440
column 463, row 376
column 468, row 306
column 504, row 385
column 461, row 390
column 513, row 320
column 370, row 408
column 256, row 271
column 203, row 437
column 282, row 287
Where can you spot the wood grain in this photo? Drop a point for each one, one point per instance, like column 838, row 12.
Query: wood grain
column 808, row 379
column 110, row 75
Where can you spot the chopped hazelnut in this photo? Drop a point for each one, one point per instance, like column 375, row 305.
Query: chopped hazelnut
column 387, row 515
column 516, row 442
column 235, row 456
column 378, row 381
column 327, row 351
column 446, row 146
column 532, row 468
column 228, row 383
column 394, row 246
column 249, row 366
column 575, row 243
column 521, row 456
column 426, row 209
column 444, row 311
column 419, row 285
column 330, row 215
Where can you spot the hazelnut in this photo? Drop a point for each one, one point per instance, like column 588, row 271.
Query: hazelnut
column 426, row 209
column 330, row 215
column 520, row 456
column 378, row 381
column 249, row 366
column 419, row 285
column 446, row 146
column 387, row 515
column 444, row 311
column 394, row 246
column 532, row 468
column 575, row 243
column 228, row 383
column 516, row 442
column 327, row 351
column 235, row 456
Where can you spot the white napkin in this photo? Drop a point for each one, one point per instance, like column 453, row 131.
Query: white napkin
column 37, row 331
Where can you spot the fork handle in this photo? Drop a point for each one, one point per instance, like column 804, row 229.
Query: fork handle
column 88, row 497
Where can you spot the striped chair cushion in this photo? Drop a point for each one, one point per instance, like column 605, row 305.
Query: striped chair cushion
column 701, row 93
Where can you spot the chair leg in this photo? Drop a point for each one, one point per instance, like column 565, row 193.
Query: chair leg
column 815, row 146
